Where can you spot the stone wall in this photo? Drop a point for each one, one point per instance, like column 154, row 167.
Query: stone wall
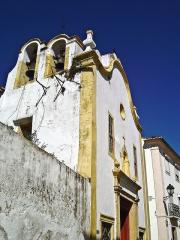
column 40, row 197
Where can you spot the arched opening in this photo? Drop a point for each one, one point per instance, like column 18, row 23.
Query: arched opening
column 122, row 112
column 30, row 60
column 59, row 49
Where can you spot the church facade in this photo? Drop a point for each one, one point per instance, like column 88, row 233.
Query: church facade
column 76, row 104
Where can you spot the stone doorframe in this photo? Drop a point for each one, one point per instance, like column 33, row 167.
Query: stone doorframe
column 125, row 187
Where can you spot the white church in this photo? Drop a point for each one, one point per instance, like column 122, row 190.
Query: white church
column 75, row 104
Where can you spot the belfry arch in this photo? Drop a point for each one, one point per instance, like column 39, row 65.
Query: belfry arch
column 59, row 48
column 55, row 57
column 27, row 64
column 31, row 59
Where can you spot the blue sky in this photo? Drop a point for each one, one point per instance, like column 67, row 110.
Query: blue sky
column 145, row 35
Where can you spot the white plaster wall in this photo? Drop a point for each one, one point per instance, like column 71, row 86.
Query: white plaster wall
column 170, row 179
column 151, row 195
column 164, row 180
column 55, row 122
column 41, row 198
column 178, row 232
column 105, row 59
column 109, row 96
column 75, row 49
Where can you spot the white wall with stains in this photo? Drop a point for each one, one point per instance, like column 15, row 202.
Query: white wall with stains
column 40, row 197
column 55, row 117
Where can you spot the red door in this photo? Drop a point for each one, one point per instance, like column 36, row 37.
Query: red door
column 125, row 228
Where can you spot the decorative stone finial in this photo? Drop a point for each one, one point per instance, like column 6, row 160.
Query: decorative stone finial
column 116, row 169
column 89, row 42
column 135, row 110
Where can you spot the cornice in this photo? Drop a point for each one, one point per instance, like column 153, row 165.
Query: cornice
column 64, row 36
column 37, row 40
column 162, row 144
column 60, row 36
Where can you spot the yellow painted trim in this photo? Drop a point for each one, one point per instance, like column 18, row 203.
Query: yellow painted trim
column 86, row 123
column 133, row 222
column 66, row 61
column 36, row 66
column 21, row 78
column 117, row 188
column 49, row 66
column 87, row 143
column 17, row 82
column 125, row 162
column 107, row 73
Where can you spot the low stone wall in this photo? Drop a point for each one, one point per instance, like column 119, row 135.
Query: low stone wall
column 40, row 198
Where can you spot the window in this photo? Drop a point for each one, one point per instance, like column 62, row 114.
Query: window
column 106, row 231
column 179, row 200
column 122, row 112
column 111, row 135
column 107, row 228
column 141, row 233
column 135, row 162
column 176, row 173
column 167, row 166
column 25, row 126
column 26, row 130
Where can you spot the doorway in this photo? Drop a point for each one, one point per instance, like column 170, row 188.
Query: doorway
column 124, row 215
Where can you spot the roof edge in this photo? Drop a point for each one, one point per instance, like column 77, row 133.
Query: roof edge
column 159, row 141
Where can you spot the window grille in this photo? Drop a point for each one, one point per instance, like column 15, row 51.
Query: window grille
column 167, row 166
column 176, row 173
column 111, row 134
column 106, row 231
column 135, row 162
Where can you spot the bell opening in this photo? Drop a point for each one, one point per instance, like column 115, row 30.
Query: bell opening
column 59, row 55
column 31, row 60
column 30, row 74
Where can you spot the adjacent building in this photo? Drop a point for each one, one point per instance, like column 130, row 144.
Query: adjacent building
column 163, row 181
column 76, row 104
